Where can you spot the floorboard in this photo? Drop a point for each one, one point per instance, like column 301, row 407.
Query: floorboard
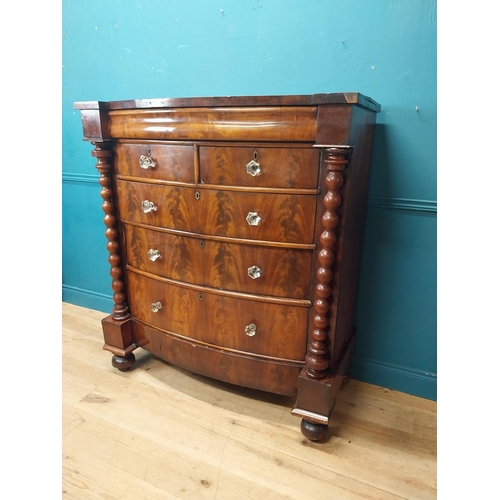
column 159, row 432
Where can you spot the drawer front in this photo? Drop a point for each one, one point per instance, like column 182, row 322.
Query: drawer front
column 260, row 167
column 155, row 161
column 239, row 369
column 230, row 266
column 280, row 330
column 278, row 217
column 232, row 123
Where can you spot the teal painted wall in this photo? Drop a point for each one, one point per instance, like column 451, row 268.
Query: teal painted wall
column 385, row 49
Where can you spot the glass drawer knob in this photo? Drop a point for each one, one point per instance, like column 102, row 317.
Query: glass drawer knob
column 146, row 162
column 155, row 306
column 254, row 272
column 251, row 329
column 253, row 168
column 253, row 218
column 153, row 254
column 148, row 206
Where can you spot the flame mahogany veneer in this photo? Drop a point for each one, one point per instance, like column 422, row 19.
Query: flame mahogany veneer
column 234, row 229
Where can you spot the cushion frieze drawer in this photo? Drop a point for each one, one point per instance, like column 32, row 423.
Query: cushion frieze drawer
column 267, row 329
column 255, row 216
column 216, row 124
column 230, row 266
column 169, row 162
column 260, row 166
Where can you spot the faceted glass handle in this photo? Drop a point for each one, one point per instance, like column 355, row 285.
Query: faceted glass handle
column 148, row 206
column 253, row 218
column 155, row 306
column 251, row 329
column 153, row 254
column 254, row 272
column 253, row 168
column 146, row 162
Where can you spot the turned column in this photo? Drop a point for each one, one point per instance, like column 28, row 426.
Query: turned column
column 104, row 155
column 318, row 354
column 317, row 385
column 116, row 327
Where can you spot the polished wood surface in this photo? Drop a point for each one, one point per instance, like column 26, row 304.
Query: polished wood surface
column 159, row 432
column 332, row 121
column 172, row 162
column 284, row 218
column 220, row 264
column 334, row 98
column 220, row 320
column 261, row 124
column 235, row 367
column 278, row 167
column 352, row 212
column 104, row 155
column 318, row 356
column 235, row 232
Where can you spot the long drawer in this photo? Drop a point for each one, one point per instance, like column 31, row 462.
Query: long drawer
column 255, row 216
column 253, row 269
column 279, row 377
column 250, row 326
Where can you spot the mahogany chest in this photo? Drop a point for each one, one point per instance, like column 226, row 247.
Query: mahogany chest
column 234, row 228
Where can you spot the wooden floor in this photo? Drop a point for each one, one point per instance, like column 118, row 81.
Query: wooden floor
column 158, row 432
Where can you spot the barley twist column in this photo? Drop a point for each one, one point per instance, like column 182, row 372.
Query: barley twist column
column 104, row 155
column 318, row 355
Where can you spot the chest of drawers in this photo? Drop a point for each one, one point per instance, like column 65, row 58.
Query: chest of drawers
column 234, row 228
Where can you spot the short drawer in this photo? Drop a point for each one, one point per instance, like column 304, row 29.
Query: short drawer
column 260, row 167
column 280, row 272
column 255, row 327
column 155, row 161
column 254, row 216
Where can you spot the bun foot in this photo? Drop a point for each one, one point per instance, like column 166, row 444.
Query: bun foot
column 312, row 431
column 123, row 363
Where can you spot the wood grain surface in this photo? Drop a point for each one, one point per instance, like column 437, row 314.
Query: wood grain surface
column 276, row 376
column 228, row 296
column 283, row 272
column 259, row 123
column 279, row 167
column 220, row 320
column 171, row 162
column 284, row 218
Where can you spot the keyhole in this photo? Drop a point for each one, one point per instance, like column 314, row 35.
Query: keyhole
column 197, row 195
column 149, row 151
column 255, row 155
